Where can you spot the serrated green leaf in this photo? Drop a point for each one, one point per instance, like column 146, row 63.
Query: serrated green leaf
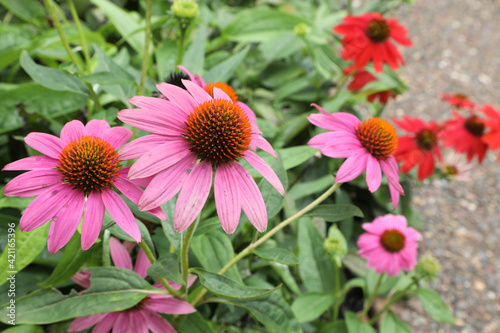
column 279, row 255
column 310, row 306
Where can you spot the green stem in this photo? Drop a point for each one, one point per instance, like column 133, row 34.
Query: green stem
column 180, row 47
column 106, row 261
column 85, row 49
column 379, row 111
column 349, row 7
column 145, row 57
column 270, row 234
column 7, row 18
column 186, row 241
column 152, row 259
column 372, row 297
column 95, row 99
column 393, row 299
column 338, row 291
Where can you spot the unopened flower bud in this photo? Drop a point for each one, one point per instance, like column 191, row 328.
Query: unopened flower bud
column 185, row 10
column 428, row 267
column 334, row 246
column 301, row 29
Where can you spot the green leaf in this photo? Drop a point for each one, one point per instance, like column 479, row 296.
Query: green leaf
column 310, row 306
column 107, row 79
column 290, row 130
column 279, row 255
column 356, row 325
column 195, row 323
column 295, row 156
column 223, row 71
column 434, row 305
column 273, row 199
column 225, row 287
column 194, row 57
column 51, row 78
column 28, row 246
column 214, row 250
column 27, row 10
column 24, row 329
column 112, row 289
column 302, row 190
column 337, row 212
column 145, row 236
column 167, row 267
column 72, row 259
column 14, row 202
column 391, row 324
column 315, row 266
column 336, row 327
column 166, row 53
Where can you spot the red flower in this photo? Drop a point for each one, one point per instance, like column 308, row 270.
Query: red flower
column 419, row 148
column 458, row 101
column 369, row 37
column 492, row 138
column 362, row 78
column 465, row 135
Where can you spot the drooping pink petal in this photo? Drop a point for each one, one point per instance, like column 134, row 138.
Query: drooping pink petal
column 227, row 197
column 158, row 122
column 220, row 94
column 82, row 323
column 249, row 112
column 394, row 196
column 137, row 324
column 192, row 196
column 46, row 144
column 119, row 254
column 140, row 146
column 122, row 323
column 193, row 77
column 106, row 323
column 33, row 163
column 92, row 219
column 353, row 166
column 121, row 214
column 180, row 97
column 82, row 278
column 32, row 183
column 259, row 142
column 142, row 264
column 123, row 173
column 390, row 169
column 265, row 170
column 65, row 222
column 167, row 184
column 117, row 136
column 169, row 305
column 159, row 158
column 373, row 174
column 252, row 202
column 156, row 323
column 37, row 213
column 96, row 127
column 72, row 131
column 199, row 94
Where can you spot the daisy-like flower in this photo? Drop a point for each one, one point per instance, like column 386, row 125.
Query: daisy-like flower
column 389, row 245
column 465, row 135
column 77, row 175
column 193, row 134
column 360, row 79
column 367, row 145
column 458, row 101
column 455, row 168
column 492, row 138
column 143, row 316
column 370, row 37
column 420, row 148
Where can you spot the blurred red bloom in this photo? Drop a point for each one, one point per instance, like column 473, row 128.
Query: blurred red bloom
column 465, row 135
column 492, row 138
column 370, row 37
column 360, row 79
column 458, row 101
column 419, row 148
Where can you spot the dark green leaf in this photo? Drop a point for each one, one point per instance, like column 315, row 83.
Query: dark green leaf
column 336, row 327
column 194, row 57
column 27, row 10
column 295, row 156
column 165, row 58
column 24, row 329
column 223, row 71
column 391, row 324
column 356, row 325
column 279, row 255
column 334, row 213
column 310, row 306
column 291, row 129
column 167, row 267
column 195, row 323
column 435, row 306
column 107, row 79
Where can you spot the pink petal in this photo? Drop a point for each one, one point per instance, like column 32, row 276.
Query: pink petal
column 193, row 196
column 143, row 182
column 227, row 197
column 82, row 323
column 121, row 214
column 32, row 183
column 167, row 184
column 159, row 158
column 199, row 94
column 96, row 127
column 162, row 109
column 65, row 222
column 259, row 142
column 37, row 213
column 46, row 144
column 180, row 97
column 72, row 131
column 142, row 264
column 193, row 77
column 390, row 169
column 265, row 170
column 353, row 166
column 33, row 163
column 219, row 94
column 156, row 323
column 119, row 254
column 169, row 305
column 107, row 323
column 140, row 146
column 394, row 196
column 92, row 219
column 373, row 174
column 122, row 323
column 137, row 324
column 191, row 279
column 117, row 136
column 157, row 122
column 252, row 202
column 82, row 278
column 249, row 112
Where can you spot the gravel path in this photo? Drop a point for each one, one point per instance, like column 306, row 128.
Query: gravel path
column 456, row 49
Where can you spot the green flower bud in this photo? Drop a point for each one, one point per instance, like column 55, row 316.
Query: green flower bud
column 301, row 29
column 334, row 246
column 428, row 267
column 185, row 10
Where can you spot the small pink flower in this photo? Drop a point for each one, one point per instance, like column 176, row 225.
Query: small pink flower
column 144, row 315
column 77, row 172
column 367, row 145
column 193, row 134
column 389, row 245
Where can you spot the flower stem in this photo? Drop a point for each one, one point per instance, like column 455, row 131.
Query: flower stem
column 270, row 234
column 372, row 297
column 338, row 291
column 180, row 47
column 393, row 299
column 106, row 262
column 76, row 19
column 145, row 57
column 349, row 7
column 184, row 254
column 152, row 259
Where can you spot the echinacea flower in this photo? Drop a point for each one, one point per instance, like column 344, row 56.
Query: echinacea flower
column 360, row 79
column 76, row 176
column 420, row 148
column 370, row 37
column 465, row 135
column 458, row 101
column 367, row 145
column 193, row 134
column 143, row 316
column 492, row 138
column 389, row 245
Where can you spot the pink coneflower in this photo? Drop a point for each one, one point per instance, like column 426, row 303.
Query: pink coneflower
column 458, row 101
column 455, row 168
column 389, row 245
column 370, row 37
column 367, row 145
column 195, row 133
column 78, row 172
column 144, row 315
